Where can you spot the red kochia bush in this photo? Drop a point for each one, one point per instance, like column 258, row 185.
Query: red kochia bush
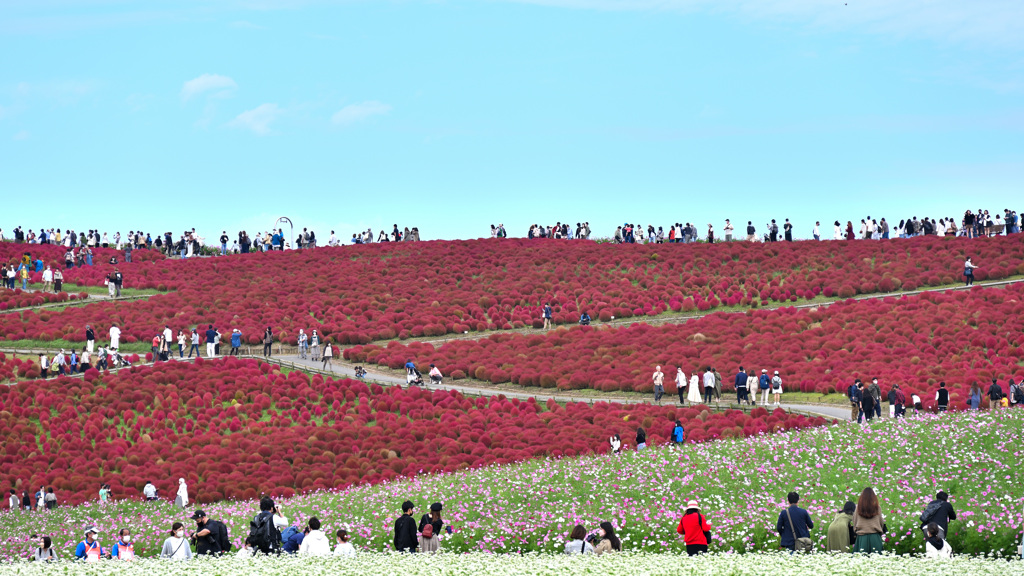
column 916, row 341
column 436, row 288
column 236, row 428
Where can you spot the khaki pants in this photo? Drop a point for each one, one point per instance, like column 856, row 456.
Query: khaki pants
column 854, row 411
column 993, row 404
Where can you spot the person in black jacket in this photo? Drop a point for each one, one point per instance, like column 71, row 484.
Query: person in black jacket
column 741, row 386
column 211, row 536
column 995, row 394
column 942, row 397
column 867, row 404
column 939, row 511
column 405, row 529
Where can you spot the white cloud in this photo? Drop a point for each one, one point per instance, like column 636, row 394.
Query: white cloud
column 982, row 22
column 205, row 83
column 21, row 135
column 258, row 119
column 356, row 112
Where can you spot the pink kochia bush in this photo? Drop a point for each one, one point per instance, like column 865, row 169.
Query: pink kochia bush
column 916, row 341
column 238, row 428
column 359, row 294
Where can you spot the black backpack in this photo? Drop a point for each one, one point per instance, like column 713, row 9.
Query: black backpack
column 263, row 535
column 930, row 512
column 1018, row 394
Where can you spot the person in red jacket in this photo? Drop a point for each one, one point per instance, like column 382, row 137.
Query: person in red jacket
column 695, row 529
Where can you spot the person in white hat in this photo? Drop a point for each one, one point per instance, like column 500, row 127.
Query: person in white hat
column 764, row 384
column 694, row 529
column 89, row 549
column 777, row 387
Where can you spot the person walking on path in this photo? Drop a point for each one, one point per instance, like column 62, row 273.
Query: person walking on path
column 868, row 524
column 315, row 346
column 694, row 529
column 764, row 384
column 681, row 386
column 794, row 526
column 900, row 401
column 328, row 354
column 709, row 385
column 718, row 385
column 211, row 337
column 303, row 344
column 741, row 386
column 236, row 341
column 840, row 531
column 405, row 529
column 867, row 404
column 194, row 347
column 659, row 384
column 854, row 394
column 181, row 343
column 547, row 316
column 777, row 388
column 268, row 341
column 938, row 512
column 90, row 338
column 969, row 272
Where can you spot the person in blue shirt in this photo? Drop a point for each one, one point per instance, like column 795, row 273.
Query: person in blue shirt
column 236, row 341
column 39, row 265
column 211, row 338
column 741, row 386
column 547, row 316
column 794, row 522
column 89, row 549
column 291, row 539
column 678, row 433
column 584, row 319
column 123, row 549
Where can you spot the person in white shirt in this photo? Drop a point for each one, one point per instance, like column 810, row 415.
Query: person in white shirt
column 709, row 385
column 344, row 548
column 48, row 280
column 935, row 548
column 435, row 375
column 816, row 233
column 115, row 337
column 315, row 543
column 333, row 240
column 181, row 500
column 149, row 491
column 176, row 547
column 728, row 230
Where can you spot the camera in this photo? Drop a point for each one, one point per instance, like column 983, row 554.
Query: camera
column 592, row 538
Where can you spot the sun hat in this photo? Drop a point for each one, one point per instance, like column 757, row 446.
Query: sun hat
column 692, row 504
column 92, row 529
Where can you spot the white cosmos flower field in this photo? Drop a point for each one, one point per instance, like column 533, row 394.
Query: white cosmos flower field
column 478, row 563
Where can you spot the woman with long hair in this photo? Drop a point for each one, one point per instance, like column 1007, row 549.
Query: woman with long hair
column 975, row 396
column 849, row 230
column 868, row 523
column 609, row 541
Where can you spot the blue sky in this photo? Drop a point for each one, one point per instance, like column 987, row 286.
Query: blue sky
column 452, row 115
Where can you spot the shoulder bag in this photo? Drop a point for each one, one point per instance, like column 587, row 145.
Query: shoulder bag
column 800, row 544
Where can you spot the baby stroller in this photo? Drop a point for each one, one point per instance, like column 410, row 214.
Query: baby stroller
column 414, row 378
column 119, row 361
column 360, row 373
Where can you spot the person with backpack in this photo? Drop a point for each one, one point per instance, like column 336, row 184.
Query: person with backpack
column 995, row 394
column 969, row 272
column 406, row 539
column 263, row 533
column 434, row 518
column 291, row 539
column 938, row 512
column 751, row 232
column 694, row 529
column 211, row 536
column 794, row 526
column 429, row 542
column 1017, row 394
column 764, row 384
column 777, row 388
